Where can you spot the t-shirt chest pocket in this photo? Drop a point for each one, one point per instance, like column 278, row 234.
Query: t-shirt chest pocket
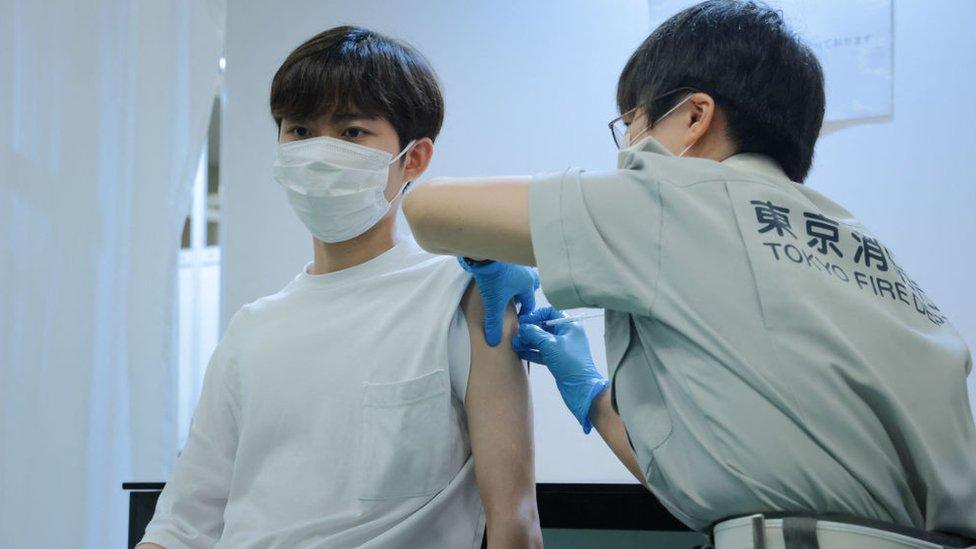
column 406, row 437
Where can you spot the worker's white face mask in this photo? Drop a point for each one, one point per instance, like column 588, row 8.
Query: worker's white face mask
column 335, row 187
column 631, row 144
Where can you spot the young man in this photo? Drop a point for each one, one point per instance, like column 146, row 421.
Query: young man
column 768, row 353
column 360, row 405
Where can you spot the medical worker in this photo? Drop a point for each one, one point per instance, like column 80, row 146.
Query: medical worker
column 781, row 378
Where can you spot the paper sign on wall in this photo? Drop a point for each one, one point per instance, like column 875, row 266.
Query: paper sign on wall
column 852, row 40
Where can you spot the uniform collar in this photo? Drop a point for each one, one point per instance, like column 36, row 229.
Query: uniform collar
column 646, row 144
column 750, row 162
column 756, row 163
column 627, row 157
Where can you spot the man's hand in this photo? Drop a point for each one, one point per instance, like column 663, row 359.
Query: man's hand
column 563, row 348
column 500, row 283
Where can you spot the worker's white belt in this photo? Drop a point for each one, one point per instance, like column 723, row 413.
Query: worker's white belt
column 758, row 533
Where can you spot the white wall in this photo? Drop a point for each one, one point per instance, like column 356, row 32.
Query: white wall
column 530, row 86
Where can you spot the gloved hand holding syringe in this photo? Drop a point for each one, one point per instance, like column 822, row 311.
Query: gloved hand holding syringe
column 547, row 336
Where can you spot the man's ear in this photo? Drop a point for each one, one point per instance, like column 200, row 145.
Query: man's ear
column 417, row 159
column 701, row 117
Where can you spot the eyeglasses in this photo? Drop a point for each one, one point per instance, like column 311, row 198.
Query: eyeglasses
column 619, row 127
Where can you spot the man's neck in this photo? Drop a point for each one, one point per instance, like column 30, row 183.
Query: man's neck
column 330, row 257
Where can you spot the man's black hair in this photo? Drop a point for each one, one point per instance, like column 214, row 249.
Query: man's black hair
column 768, row 84
column 356, row 69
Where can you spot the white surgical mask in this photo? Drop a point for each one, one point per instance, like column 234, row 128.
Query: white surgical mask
column 335, row 187
column 635, row 144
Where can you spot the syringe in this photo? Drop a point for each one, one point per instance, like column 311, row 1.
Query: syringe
column 566, row 319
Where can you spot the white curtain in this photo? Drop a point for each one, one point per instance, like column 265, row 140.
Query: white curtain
column 104, row 106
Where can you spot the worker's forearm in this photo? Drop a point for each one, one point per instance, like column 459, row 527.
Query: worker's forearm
column 515, row 526
column 148, row 545
column 475, row 217
column 611, row 429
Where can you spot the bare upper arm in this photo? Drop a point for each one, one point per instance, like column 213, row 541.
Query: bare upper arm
column 485, row 218
column 499, row 420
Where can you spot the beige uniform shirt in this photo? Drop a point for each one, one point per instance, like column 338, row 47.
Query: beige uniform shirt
column 768, row 353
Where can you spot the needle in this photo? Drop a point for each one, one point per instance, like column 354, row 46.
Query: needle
column 577, row 318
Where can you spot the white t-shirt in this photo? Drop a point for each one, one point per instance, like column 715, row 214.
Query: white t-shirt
column 332, row 416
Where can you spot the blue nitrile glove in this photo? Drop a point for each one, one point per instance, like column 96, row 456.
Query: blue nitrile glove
column 565, row 351
column 499, row 283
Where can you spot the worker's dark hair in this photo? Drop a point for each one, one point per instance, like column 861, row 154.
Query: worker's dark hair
column 765, row 80
column 357, row 69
